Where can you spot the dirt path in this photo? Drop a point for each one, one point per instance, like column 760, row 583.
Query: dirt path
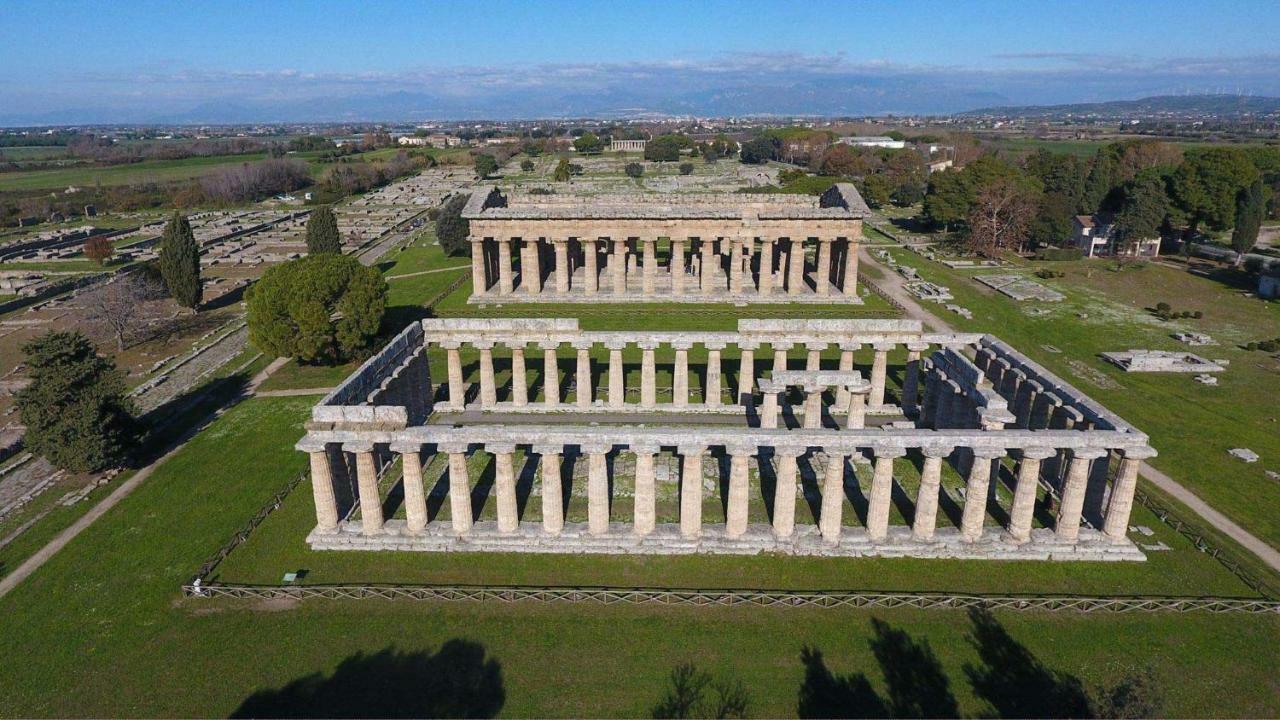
column 893, row 285
column 427, row 272
column 126, row 488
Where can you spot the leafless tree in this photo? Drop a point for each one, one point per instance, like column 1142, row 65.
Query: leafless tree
column 1001, row 213
column 124, row 307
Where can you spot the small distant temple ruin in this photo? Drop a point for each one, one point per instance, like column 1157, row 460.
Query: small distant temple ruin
column 627, row 145
column 718, row 460
column 699, row 248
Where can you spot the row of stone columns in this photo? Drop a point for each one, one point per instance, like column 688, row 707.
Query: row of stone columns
column 616, row 392
column 785, row 462
column 620, row 263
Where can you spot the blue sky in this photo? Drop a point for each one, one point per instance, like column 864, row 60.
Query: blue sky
column 139, row 57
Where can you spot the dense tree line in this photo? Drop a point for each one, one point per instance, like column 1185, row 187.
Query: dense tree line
column 255, row 181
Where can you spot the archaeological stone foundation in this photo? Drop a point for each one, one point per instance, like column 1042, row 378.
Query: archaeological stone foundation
column 756, row 419
column 639, row 248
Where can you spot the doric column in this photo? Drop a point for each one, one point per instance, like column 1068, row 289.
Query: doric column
column 711, row 394
column 531, row 267
column 1116, row 523
column 813, row 356
column 650, row 265
column 736, row 507
column 780, row 356
column 677, row 266
column 1024, row 495
column 457, row 390
column 977, row 486
column 766, row 266
column 550, row 373
column 591, row 264
column 415, row 498
column 770, row 409
column 878, row 367
column 746, row 371
column 1025, row 401
column 582, row 377
column 459, row 486
column 847, row 350
column 562, row 264
column 707, row 267
column 795, row 266
column 645, row 513
column 691, row 490
column 881, row 492
column 926, row 518
column 618, row 264
column 856, row 417
column 597, row 488
column 949, row 398
column 488, row 391
column 367, row 487
column 322, row 493
column 784, row 491
column 617, row 381
column 911, row 383
column 504, row 485
column 519, row 378
column 851, row 269
column 506, row 283
column 929, row 398
column 478, row 282
column 813, row 406
column 1070, row 509
column 552, row 488
column 648, row 374
column 680, row 373
column 735, row 266
column 823, row 280
column 831, row 518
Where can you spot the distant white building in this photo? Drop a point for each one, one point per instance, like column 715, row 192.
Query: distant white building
column 880, row 141
column 1096, row 235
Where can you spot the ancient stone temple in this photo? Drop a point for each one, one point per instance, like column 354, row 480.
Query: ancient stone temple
column 977, row 452
column 701, row 248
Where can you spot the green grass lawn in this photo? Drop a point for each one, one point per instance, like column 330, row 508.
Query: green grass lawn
column 154, row 170
column 102, row 630
column 1191, row 425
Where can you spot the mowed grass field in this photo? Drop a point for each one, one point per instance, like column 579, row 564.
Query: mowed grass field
column 102, row 630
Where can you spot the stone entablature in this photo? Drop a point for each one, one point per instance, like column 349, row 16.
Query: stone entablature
column 968, row 413
column 718, row 248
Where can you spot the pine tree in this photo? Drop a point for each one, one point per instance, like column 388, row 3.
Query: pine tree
column 180, row 262
column 322, row 232
column 75, row 409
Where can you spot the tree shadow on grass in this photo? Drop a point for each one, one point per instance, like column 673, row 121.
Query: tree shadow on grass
column 1014, row 682
column 456, row 681
column 917, row 686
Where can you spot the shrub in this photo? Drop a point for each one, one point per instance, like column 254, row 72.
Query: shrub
column 99, row 249
column 1197, row 314
column 320, row 308
column 451, row 228
column 526, row 165
column 1058, row 254
column 634, row 169
column 686, row 168
column 1251, row 346
column 75, row 409
column 1269, row 346
column 486, row 165
column 1163, row 307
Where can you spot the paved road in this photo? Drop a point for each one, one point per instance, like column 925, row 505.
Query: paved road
column 122, row 491
column 892, row 285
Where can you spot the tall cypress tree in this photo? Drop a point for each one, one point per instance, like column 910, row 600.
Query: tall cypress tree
column 75, row 409
column 1251, row 208
column 180, row 262
column 322, row 232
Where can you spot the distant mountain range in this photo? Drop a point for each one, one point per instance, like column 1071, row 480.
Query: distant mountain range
column 1188, row 105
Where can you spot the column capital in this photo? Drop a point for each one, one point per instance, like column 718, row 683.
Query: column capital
column 514, row 344
column 747, row 344
column 483, row 344
column 692, row 449
column 1037, row 453
column 546, row 449
column 500, row 447
column 884, row 346
column 583, row 344
column 850, row 346
column 740, row 449
column 783, row 345
column 644, row 448
column 405, row 446
column 358, row 446
column 596, row 448
column 549, row 344
column 789, row 450
column 986, row 453
column 1140, row 453
column 453, row 448
column 648, row 344
column 937, row 451
column 616, row 344
column 715, row 344
column 889, row 452
column 1089, row 453
column 449, row 344
column 917, row 346
column 816, row 345
column 681, row 344
column 310, row 444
